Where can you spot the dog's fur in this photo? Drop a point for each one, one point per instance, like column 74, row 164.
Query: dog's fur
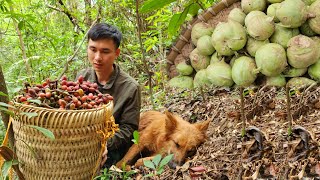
column 165, row 134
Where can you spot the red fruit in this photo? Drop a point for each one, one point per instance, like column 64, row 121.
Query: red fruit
column 76, row 94
column 84, row 105
column 39, row 86
column 63, row 82
column 64, row 87
column 105, row 100
column 44, row 84
column 72, row 106
column 69, row 88
column 48, row 95
column 74, row 99
column 109, row 97
column 69, row 83
column 99, row 101
column 64, row 77
column 76, row 87
column 92, row 103
column 23, row 99
column 37, row 89
column 92, row 89
column 78, row 104
column 89, row 106
column 94, row 85
column 86, row 83
column 84, row 98
column 100, row 95
column 42, row 95
column 48, row 81
column 67, row 98
column 80, row 79
column 90, row 96
column 62, row 102
column 32, row 92
column 84, row 87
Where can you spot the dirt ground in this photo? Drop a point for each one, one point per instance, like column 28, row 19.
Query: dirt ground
column 268, row 150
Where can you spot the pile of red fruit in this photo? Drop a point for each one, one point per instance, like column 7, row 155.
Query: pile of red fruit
column 64, row 94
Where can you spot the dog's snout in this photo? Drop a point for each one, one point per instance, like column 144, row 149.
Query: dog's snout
column 172, row 164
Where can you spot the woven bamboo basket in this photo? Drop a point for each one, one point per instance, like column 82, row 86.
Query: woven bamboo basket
column 77, row 147
column 181, row 50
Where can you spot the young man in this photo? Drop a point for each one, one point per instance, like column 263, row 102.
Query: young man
column 103, row 49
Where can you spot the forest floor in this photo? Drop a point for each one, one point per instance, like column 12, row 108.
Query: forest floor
column 266, row 151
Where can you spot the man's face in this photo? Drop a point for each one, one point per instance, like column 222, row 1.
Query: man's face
column 102, row 53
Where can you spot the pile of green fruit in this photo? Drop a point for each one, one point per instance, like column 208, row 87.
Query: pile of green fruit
column 277, row 40
column 64, row 94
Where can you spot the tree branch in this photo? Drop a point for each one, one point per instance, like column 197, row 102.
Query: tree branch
column 76, row 51
column 54, row 8
column 66, row 12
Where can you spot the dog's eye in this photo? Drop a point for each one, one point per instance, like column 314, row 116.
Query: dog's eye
column 191, row 152
column 178, row 145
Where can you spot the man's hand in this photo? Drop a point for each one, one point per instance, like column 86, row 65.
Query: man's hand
column 104, row 157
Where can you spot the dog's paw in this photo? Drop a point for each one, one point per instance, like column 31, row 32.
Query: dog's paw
column 120, row 164
column 139, row 163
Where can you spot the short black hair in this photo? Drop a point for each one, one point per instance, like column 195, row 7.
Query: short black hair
column 105, row 31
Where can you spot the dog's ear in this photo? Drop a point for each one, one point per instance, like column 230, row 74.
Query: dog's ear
column 203, row 126
column 171, row 122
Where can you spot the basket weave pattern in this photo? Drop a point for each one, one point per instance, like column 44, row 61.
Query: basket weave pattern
column 76, row 149
column 181, row 50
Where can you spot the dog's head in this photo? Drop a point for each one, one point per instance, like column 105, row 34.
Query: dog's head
column 183, row 138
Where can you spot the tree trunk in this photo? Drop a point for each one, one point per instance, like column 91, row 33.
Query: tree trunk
column 5, row 99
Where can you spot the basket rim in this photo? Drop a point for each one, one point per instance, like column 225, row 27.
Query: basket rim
column 109, row 104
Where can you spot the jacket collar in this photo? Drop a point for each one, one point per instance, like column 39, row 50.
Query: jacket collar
column 112, row 79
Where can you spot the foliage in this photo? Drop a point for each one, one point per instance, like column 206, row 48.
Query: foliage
column 107, row 174
column 135, row 139
column 157, row 164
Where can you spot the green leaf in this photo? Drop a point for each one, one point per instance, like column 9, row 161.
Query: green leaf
column 7, row 105
column 37, row 101
column 30, row 115
column 17, row 89
column 15, row 162
column 6, row 111
column 177, row 20
column 156, row 159
column 135, row 137
column 129, row 173
column 152, row 5
column 3, row 94
column 44, row 131
column 243, row 132
column 172, row 28
column 166, row 160
column 149, row 175
column 149, row 164
column 160, row 171
column 5, row 168
column 193, row 9
column 21, row 25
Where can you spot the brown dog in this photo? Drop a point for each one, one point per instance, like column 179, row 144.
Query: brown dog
column 165, row 134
